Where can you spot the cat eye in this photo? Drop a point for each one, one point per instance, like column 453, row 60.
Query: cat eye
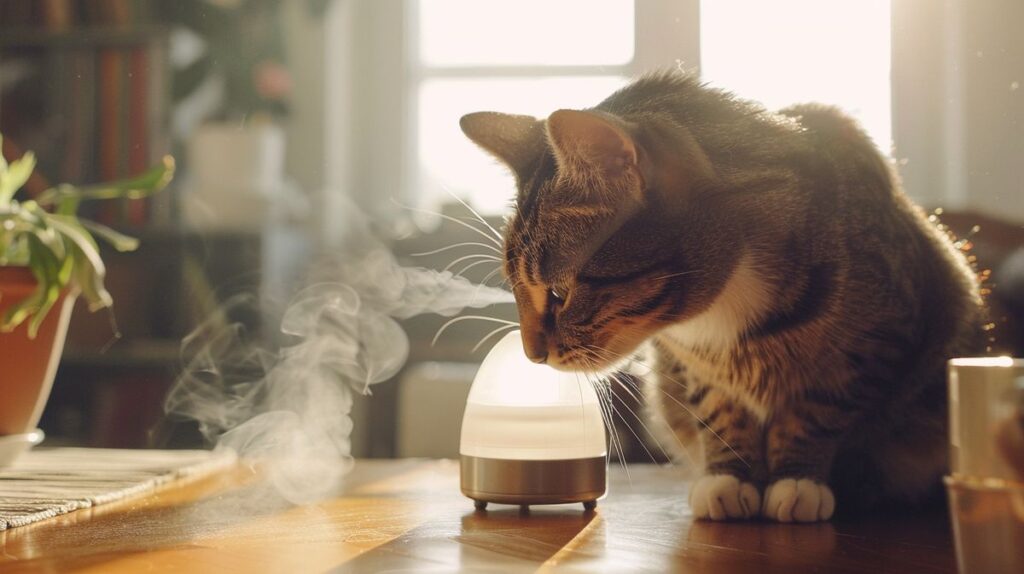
column 558, row 297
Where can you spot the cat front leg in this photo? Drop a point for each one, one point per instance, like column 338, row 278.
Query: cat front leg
column 732, row 441
column 802, row 442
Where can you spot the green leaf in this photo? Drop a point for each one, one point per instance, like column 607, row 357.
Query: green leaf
column 60, row 249
column 88, row 270
column 18, row 312
column 67, row 205
column 15, row 175
column 120, row 241
column 44, row 229
column 80, row 239
column 89, row 281
column 46, row 268
column 66, row 267
column 150, row 182
column 13, row 249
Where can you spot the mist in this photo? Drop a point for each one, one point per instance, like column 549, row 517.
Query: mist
column 287, row 409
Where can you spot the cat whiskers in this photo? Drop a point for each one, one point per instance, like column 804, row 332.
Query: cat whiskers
column 624, row 384
column 451, row 322
column 496, row 240
column 483, row 282
column 472, row 265
column 636, row 393
column 456, row 246
column 607, row 407
column 680, row 403
column 479, row 218
column 491, row 275
column 488, row 257
column 491, row 334
column 680, row 274
column 485, row 257
column 497, row 235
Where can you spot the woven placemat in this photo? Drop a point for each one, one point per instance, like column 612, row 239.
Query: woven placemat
column 47, row 482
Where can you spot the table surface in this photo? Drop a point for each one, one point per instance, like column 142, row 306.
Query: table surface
column 408, row 516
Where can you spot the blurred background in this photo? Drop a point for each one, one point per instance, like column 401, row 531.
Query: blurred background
column 285, row 114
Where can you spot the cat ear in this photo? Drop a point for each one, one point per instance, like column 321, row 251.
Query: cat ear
column 515, row 140
column 590, row 140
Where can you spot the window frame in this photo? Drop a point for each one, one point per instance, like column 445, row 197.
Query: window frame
column 659, row 27
column 377, row 41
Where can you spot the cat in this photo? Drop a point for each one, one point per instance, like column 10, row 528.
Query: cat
column 799, row 307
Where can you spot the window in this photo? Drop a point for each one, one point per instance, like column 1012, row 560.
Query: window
column 535, row 56
column 528, row 57
column 792, row 51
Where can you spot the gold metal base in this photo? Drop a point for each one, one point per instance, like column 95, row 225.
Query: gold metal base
column 527, row 482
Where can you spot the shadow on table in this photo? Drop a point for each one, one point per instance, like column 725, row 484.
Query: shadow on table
column 910, row 543
column 739, row 546
column 500, row 540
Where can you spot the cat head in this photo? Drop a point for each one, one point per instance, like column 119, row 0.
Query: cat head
column 615, row 233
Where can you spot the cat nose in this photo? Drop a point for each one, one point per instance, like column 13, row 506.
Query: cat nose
column 536, row 346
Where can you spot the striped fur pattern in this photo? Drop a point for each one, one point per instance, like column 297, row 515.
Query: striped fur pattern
column 798, row 309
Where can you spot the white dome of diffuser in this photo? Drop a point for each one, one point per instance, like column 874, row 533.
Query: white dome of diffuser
column 519, row 411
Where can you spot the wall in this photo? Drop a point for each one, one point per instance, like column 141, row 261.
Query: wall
column 958, row 119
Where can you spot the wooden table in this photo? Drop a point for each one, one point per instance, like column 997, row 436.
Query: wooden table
column 408, row 516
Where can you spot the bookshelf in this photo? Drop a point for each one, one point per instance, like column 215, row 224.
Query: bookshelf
column 111, row 36
column 86, row 85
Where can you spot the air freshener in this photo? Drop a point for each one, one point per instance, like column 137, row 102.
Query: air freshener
column 531, row 434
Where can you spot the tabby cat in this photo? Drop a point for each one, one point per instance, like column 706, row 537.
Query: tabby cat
column 799, row 308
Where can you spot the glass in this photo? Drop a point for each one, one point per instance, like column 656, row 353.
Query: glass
column 448, row 160
column 525, row 33
column 985, row 396
column 988, row 524
column 792, row 51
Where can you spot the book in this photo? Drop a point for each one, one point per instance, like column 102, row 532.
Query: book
column 80, row 114
column 109, row 120
column 93, row 107
column 58, row 15
column 138, row 127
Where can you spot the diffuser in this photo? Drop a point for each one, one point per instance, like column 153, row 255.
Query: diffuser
column 531, row 434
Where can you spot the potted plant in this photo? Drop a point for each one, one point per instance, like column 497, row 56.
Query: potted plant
column 48, row 256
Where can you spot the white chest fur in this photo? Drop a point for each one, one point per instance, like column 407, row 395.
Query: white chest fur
column 744, row 300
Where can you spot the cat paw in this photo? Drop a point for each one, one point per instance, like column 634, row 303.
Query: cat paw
column 723, row 497
column 798, row 500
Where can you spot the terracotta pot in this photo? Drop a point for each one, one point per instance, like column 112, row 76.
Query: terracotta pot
column 27, row 366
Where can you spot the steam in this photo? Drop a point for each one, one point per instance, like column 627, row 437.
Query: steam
column 290, row 409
